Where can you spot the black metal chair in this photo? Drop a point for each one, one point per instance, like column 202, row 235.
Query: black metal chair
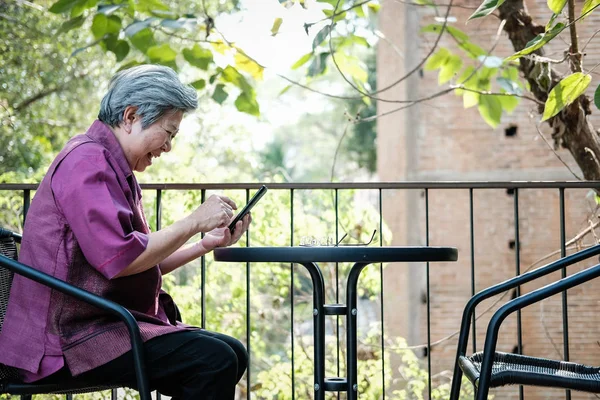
column 9, row 378
column 492, row 369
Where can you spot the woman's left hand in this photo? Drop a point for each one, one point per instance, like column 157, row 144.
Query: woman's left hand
column 222, row 237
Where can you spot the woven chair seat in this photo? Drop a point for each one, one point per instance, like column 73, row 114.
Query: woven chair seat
column 516, row 369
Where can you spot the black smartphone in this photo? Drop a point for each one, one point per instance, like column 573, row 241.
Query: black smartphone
column 257, row 196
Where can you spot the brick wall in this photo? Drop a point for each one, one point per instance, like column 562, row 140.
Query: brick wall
column 440, row 140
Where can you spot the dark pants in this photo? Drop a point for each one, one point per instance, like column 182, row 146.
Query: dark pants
column 188, row 365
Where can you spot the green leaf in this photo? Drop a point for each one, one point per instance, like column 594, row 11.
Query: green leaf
column 538, row 41
column 302, row 60
column 456, row 33
column 199, row 84
column 285, row 89
column 486, row 8
column 179, row 23
column 374, row 7
column 323, row 33
column 597, row 97
column 318, row 65
column 276, row 25
column 509, row 86
column 338, row 17
column 70, row 24
column 246, row 102
column 470, row 99
column 143, row 40
column 103, row 25
column 151, row 5
column 232, row 75
column 198, row 56
column 246, row 64
column 556, row 5
column 81, row 6
column 138, row 26
column 109, row 9
column 588, row 6
column 490, row 109
column 121, row 49
column 565, row 93
column 450, row 68
column 129, row 64
column 219, row 95
column 472, row 49
column 437, row 59
column 62, row 6
column 161, row 54
column 509, row 103
column 360, row 12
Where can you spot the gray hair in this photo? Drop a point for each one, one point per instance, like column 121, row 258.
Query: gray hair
column 154, row 89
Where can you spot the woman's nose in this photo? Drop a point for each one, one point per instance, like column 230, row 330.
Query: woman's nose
column 167, row 146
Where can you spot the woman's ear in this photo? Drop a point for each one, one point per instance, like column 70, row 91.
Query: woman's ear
column 129, row 117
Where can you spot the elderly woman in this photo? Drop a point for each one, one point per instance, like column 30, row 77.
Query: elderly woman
column 86, row 226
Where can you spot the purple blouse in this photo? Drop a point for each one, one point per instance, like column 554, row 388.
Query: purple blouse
column 84, row 226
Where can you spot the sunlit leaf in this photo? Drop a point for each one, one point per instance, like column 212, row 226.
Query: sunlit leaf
column 70, row 24
column 597, row 97
column 246, row 102
column 538, row 41
column 472, row 49
column 323, row 33
column 470, row 99
column 143, row 40
column 232, row 75
column 303, row 60
column 151, row 5
column 360, row 11
column 450, row 68
column 285, row 89
column 486, row 8
column 318, row 65
column 161, row 54
column 198, row 56
column 339, row 16
column 456, row 33
column 556, row 5
column 103, row 25
column 246, row 64
column 220, row 95
column 490, row 109
column 437, row 59
column 81, row 6
column 220, row 47
column 62, row 6
column 276, row 25
column 550, row 22
column 509, row 103
column 588, row 6
column 565, row 93
column 374, row 7
column 199, row 84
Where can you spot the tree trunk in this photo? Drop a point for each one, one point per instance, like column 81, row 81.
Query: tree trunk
column 571, row 128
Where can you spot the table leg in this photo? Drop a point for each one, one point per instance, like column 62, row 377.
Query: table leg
column 351, row 339
column 318, row 328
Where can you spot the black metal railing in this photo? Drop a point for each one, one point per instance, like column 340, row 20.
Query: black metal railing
column 381, row 188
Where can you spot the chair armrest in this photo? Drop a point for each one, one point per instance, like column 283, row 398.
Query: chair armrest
column 523, row 301
column 508, row 284
column 121, row 312
column 6, row 233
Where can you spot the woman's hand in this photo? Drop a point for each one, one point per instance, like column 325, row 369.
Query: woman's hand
column 222, row 237
column 215, row 212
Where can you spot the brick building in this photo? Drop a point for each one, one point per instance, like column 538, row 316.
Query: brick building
column 439, row 140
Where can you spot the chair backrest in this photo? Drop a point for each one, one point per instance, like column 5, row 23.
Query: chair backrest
column 8, row 248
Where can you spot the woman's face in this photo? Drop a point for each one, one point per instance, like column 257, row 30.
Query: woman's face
column 147, row 144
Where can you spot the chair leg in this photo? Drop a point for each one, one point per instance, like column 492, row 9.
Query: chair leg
column 26, row 397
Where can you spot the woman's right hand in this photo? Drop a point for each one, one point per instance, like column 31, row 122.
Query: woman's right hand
column 215, row 212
